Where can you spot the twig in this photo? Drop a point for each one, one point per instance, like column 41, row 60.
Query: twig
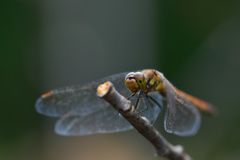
column 141, row 124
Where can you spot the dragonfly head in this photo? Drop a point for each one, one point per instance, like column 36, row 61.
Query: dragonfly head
column 135, row 81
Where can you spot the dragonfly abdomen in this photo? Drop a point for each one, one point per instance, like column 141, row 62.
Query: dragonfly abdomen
column 200, row 104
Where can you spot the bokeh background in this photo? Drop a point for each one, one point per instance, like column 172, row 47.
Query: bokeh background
column 47, row 44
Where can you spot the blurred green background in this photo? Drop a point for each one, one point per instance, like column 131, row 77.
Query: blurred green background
column 49, row 44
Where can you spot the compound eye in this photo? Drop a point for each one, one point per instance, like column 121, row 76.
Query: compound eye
column 140, row 80
column 129, row 76
column 139, row 76
column 131, row 83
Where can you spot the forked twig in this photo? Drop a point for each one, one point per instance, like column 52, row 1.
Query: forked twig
column 141, row 124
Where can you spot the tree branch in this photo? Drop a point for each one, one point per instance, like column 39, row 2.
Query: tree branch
column 141, row 124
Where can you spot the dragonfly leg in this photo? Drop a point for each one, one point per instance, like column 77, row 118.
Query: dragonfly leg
column 154, row 101
column 145, row 100
column 151, row 98
column 137, row 102
column 131, row 96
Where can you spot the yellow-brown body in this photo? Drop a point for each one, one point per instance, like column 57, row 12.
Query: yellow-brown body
column 156, row 80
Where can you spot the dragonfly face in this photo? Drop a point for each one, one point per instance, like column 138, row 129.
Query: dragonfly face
column 82, row 112
column 135, row 81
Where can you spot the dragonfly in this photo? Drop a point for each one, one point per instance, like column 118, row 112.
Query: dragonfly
column 82, row 112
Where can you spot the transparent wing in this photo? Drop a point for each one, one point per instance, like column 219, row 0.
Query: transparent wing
column 106, row 120
column 182, row 117
column 153, row 110
column 78, row 100
column 84, row 113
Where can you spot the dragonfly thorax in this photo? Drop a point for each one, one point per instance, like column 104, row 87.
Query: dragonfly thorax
column 135, row 81
column 155, row 81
